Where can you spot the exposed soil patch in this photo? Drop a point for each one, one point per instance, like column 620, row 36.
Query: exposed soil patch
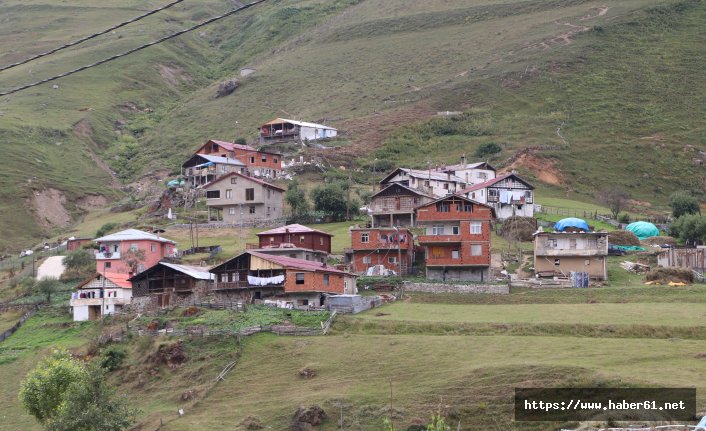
column 173, row 75
column 564, row 38
column 90, row 202
column 171, row 355
column 545, row 170
column 48, row 208
column 84, row 131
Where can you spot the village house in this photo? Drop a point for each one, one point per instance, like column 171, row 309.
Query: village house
column 202, row 169
column 77, row 243
column 258, row 163
column 253, row 277
column 394, row 205
column 471, row 173
column 282, row 130
column 456, row 239
column 235, row 197
column 429, row 182
column 393, row 248
column 170, row 283
column 117, row 249
column 100, row 295
column 295, row 241
column 560, row 253
column 508, row 194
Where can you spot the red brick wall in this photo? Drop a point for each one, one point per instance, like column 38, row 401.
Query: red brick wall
column 429, row 213
column 313, row 281
column 312, row 240
column 245, row 157
column 379, row 259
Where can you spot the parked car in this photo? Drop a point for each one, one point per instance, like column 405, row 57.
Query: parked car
column 615, row 251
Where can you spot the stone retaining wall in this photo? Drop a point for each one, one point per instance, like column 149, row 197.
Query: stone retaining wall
column 498, row 289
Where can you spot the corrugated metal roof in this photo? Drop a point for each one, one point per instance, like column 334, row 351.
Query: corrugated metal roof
column 192, row 271
column 299, row 123
column 493, row 181
column 132, row 235
column 304, row 265
column 118, row 279
column 230, row 146
column 222, row 160
column 292, row 228
column 426, row 175
column 255, row 180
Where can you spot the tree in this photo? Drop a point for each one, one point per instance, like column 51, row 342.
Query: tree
column 682, row 203
column 330, row 199
column 106, row 229
column 133, row 258
column 690, row 228
column 48, row 286
column 64, row 394
column 486, row 150
column 42, row 392
column 296, row 198
column 79, row 263
column 614, row 198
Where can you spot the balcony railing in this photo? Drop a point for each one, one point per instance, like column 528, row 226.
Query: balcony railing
column 231, row 285
column 108, row 255
column 430, row 239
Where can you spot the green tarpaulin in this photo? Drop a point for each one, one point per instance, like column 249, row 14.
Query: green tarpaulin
column 643, row 229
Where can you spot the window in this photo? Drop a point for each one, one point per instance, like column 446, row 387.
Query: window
column 443, row 207
column 455, row 230
column 251, row 210
column 272, row 240
column 364, row 237
column 224, row 169
column 392, row 259
column 213, row 194
column 476, row 249
column 268, row 211
column 557, row 262
column 367, row 259
column 153, row 247
column 467, row 206
column 252, row 159
column 326, row 279
column 426, row 183
column 302, row 238
column 304, row 302
column 275, row 159
column 551, row 243
column 437, row 230
column 249, row 194
column 476, row 228
column 572, row 243
column 446, row 186
column 107, row 265
column 224, row 277
column 321, row 241
column 231, row 210
column 268, row 193
column 234, row 180
column 300, row 278
column 293, row 255
column 264, row 158
column 455, row 254
column 229, row 194
column 133, row 246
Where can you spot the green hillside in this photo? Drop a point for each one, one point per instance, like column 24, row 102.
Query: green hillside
column 620, row 80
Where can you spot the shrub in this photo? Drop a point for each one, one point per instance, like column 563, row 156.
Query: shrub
column 487, row 150
column 112, row 358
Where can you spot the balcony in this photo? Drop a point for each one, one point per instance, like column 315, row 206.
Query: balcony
column 234, row 285
column 77, row 302
column 439, row 239
column 108, row 255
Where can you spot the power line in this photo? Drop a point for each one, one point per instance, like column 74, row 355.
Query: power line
column 94, row 35
column 128, row 52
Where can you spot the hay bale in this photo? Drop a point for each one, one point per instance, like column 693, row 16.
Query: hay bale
column 670, row 273
column 519, row 228
column 659, row 240
column 623, row 237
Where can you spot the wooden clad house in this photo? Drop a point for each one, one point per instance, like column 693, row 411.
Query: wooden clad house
column 456, row 238
column 296, row 241
column 253, row 276
column 282, row 130
column 168, row 282
column 429, row 182
column 202, row 169
column 394, row 205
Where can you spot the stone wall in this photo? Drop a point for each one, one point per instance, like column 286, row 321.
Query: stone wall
column 499, row 289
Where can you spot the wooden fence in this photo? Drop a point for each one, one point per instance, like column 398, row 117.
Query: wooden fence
column 17, row 325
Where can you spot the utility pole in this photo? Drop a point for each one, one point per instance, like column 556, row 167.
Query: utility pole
column 348, row 198
column 399, row 251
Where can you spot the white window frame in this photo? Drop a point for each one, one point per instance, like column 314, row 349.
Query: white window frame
column 476, row 249
column 476, row 228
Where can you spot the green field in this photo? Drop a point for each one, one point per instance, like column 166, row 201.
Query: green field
column 9, row 318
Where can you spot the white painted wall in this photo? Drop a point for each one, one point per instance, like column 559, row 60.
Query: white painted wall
column 312, row 133
column 80, row 313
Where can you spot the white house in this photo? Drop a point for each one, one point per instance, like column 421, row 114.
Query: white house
column 284, row 129
column 508, row 194
column 100, row 295
column 431, row 182
column 471, row 173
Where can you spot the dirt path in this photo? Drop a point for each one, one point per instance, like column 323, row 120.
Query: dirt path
column 52, row 267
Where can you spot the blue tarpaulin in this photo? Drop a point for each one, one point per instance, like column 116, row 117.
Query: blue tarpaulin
column 571, row 222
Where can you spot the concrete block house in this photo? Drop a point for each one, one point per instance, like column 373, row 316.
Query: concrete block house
column 101, row 295
column 236, row 197
column 253, row 277
column 456, row 238
column 560, row 253
column 228, row 157
column 114, row 248
column 508, row 194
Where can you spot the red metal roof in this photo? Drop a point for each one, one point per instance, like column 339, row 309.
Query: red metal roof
column 292, row 228
column 253, row 179
column 304, row 265
column 116, row 278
